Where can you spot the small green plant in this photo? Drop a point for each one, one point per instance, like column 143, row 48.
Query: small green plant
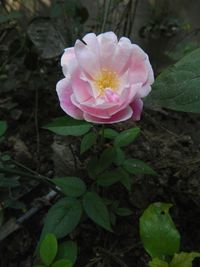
column 53, row 254
column 107, row 166
column 161, row 238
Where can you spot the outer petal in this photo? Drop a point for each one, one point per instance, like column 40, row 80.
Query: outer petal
column 137, row 106
column 68, row 62
column 64, row 92
column 122, row 115
column 67, row 56
column 138, row 67
column 150, row 79
column 146, row 88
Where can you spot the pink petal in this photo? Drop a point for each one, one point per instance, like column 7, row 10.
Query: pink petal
column 91, row 40
column 137, row 106
column 100, row 111
column 122, row 115
column 67, row 56
column 102, row 108
column 68, row 61
column 146, row 88
column 120, row 61
column 81, row 89
column 109, row 36
column 144, row 91
column 150, row 79
column 87, row 59
column 107, row 45
column 64, row 92
column 118, row 53
column 111, row 96
column 139, row 68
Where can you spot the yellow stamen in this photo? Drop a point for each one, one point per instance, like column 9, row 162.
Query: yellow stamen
column 106, row 79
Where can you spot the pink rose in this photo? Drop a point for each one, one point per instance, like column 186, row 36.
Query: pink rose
column 105, row 79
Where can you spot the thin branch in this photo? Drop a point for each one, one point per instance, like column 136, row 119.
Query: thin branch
column 36, row 127
column 106, row 12
column 14, row 224
column 38, row 177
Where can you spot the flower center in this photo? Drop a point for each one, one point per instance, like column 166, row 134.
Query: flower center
column 106, row 79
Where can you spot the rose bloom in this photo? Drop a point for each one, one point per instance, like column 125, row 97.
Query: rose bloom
column 105, row 79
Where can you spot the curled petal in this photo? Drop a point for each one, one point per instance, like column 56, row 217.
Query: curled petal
column 122, row 115
column 64, row 92
column 137, row 106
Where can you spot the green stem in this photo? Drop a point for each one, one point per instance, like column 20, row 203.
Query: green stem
column 102, row 135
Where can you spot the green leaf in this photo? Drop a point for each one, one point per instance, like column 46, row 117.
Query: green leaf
column 3, row 127
column 123, row 211
column 71, row 186
column 108, row 178
column 184, row 259
column 177, row 87
column 106, row 159
column 97, row 166
column 62, row 263
column 9, row 182
column 88, row 141
column 96, row 210
column 158, row 233
column 68, row 250
column 93, row 167
column 158, row 263
column 110, row 133
column 119, row 156
column 136, row 166
column 5, row 157
column 125, row 179
column 63, row 217
column 126, row 137
column 14, row 204
column 181, row 50
column 48, row 249
column 68, row 126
